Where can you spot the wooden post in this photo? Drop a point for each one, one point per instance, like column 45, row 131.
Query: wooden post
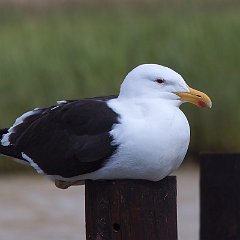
column 220, row 197
column 131, row 210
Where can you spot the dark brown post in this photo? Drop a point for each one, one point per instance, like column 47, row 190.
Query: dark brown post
column 131, row 210
column 220, row 197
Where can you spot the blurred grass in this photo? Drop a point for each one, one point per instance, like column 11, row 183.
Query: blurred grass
column 75, row 53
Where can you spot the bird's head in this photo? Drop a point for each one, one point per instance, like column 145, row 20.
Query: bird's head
column 156, row 81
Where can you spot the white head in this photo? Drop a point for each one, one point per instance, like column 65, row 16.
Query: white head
column 156, row 81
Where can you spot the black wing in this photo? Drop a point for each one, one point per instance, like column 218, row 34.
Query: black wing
column 69, row 139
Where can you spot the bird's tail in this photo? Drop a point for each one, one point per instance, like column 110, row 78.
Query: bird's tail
column 3, row 131
column 7, row 150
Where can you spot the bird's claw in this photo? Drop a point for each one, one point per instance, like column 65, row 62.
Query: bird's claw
column 62, row 184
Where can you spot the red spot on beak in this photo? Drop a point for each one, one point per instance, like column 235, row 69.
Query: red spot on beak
column 202, row 104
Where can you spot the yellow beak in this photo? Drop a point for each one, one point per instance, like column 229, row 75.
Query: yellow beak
column 195, row 97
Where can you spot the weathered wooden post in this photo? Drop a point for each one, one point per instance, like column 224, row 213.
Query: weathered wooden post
column 131, row 210
column 220, row 197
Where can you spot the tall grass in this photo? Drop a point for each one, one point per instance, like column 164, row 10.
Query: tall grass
column 67, row 54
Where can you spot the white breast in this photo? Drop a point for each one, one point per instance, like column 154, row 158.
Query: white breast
column 152, row 139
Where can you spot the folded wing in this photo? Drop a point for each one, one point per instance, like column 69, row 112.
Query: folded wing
column 68, row 140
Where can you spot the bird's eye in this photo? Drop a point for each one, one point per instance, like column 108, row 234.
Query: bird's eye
column 160, row 81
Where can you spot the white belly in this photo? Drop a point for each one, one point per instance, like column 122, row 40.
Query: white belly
column 152, row 142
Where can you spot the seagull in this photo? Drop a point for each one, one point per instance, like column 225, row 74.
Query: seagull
column 139, row 134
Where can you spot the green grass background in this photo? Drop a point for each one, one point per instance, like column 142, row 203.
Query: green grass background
column 75, row 52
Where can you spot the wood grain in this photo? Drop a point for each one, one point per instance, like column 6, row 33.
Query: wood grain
column 131, row 210
column 220, row 197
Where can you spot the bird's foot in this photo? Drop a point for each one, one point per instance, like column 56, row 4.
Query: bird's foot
column 62, row 184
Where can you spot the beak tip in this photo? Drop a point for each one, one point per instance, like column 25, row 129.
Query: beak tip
column 210, row 104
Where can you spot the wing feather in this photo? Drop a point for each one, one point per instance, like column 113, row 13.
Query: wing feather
column 68, row 140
